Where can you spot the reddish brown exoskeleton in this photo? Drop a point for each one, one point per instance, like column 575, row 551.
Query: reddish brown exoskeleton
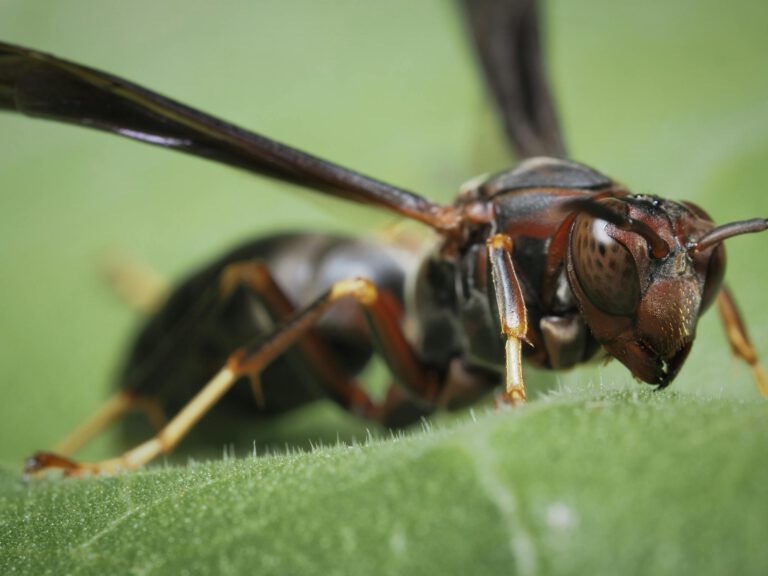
column 550, row 261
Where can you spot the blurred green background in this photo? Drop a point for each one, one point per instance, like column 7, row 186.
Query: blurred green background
column 669, row 97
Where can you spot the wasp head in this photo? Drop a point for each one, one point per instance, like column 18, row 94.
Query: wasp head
column 643, row 270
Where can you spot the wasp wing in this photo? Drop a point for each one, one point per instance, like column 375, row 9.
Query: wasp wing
column 508, row 42
column 41, row 85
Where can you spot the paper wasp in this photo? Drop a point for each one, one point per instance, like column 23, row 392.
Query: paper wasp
column 551, row 253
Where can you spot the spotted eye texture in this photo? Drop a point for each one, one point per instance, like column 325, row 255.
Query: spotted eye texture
column 604, row 268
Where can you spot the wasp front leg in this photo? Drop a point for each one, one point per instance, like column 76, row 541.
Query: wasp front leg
column 738, row 338
column 512, row 315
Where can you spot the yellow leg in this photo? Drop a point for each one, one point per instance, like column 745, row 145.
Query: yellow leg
column 514, row 392
column 512, row 315
column 108, row 413
column 248, row 360
column 738, row 338
column 136, row 283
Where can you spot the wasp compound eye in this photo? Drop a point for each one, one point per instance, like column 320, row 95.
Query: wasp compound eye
column 604, row 268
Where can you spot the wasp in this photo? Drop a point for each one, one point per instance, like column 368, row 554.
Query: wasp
column 551, row 262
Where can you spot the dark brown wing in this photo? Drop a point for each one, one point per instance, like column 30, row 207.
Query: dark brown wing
column 507, row 36
column 44, row 86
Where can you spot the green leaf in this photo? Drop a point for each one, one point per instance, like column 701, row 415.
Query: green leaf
column 597, row 483
column 669, row 98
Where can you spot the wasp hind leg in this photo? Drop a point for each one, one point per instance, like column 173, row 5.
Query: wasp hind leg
column 141, row 287
column 415, row 391
column 112, row 410
column 251, row 359
column 256, row 277
column 145, row 291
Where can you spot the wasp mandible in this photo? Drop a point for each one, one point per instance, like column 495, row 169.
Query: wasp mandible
column 550, row 261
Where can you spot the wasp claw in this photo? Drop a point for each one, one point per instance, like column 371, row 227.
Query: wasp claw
column 510, row 399
column 41, row 462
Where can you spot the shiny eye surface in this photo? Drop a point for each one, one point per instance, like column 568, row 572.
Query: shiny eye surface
column 605, row 269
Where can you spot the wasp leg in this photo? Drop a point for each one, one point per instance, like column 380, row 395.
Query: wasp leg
column 141, row 287
column 512, row 314
column 383, row 312
column 246, row 361
column 109, row 412
column 256, row 277
column 739, row 339
column 145, row 291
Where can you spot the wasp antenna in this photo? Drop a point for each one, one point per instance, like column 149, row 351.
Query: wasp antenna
column 591, row 206
column 717, row 235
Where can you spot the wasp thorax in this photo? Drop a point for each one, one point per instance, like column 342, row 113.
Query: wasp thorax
column 605, row 269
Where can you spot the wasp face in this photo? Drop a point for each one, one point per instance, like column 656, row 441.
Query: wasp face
column 640, row 285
